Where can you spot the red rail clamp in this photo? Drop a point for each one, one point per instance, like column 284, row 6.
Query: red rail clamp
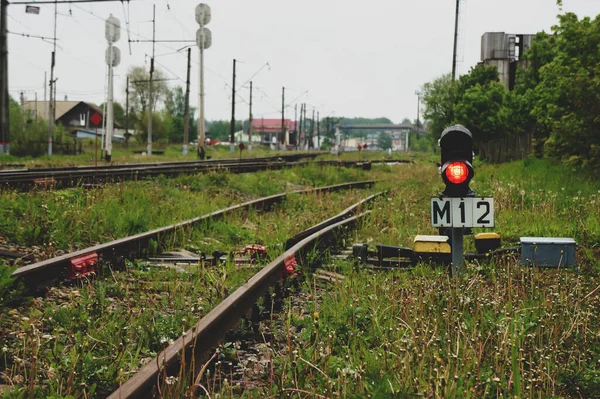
column 290, row 265
column 84, row 265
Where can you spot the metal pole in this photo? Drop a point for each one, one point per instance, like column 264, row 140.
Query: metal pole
column 250, row 121
column 109, row 112
column 150, row 99
column 300, row 135
column 127, row 113
column 312, row 130
column 45, row 108
column 455, row 41
column 457, row 251
column 282, row 137
column 52, row 117
column 52, row 104
column 232, row 127
column 201, row 124
column 4, row 111
column 296, row 124
column 305, row 130
column 318, row 131
column 186, row 118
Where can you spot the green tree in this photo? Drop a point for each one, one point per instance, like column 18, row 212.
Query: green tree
column 221, row 130
column 439, row 98
column 384, row 141
column 480, row 109
column 566, row 100
column 139, row 82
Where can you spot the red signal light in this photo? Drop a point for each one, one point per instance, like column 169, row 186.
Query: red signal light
column 457, row 172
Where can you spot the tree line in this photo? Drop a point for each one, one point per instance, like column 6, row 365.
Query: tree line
column 556, row 97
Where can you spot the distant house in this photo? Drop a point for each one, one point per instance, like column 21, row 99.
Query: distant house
column 269, row 129
column 73, row 115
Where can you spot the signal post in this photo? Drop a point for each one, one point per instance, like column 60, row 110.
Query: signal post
column 458, row 207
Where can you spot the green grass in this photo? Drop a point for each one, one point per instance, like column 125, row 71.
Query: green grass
column 79, row 217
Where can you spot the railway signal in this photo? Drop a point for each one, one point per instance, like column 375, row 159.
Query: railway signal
column 458, row 207
column 456, row 147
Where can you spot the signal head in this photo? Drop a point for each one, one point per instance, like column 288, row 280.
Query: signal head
column 456, row 144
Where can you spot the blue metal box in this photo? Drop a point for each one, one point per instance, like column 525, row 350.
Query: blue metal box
column 548, row 251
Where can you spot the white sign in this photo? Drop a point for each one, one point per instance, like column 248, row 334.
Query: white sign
column 462, row 212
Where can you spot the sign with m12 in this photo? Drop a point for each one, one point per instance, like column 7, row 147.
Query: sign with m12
column 462, row 212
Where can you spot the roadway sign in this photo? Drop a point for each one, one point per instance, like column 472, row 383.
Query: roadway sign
column 462, row 212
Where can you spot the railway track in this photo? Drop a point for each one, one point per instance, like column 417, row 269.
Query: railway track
column 186, row 356
column 131, row 247
column 61, row 267
column 26, row 179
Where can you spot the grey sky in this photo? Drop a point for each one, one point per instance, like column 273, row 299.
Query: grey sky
column 343, row 57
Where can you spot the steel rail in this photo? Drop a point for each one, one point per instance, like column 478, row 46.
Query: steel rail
column 128, row 247
column 291, row 157
column 72, row 178
column 195, row 343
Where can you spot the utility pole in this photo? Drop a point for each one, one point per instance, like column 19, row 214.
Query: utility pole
column 418, row 93
column 305, row 129
column 150, row 99
column 45, row 109
column 296, row 124
column 300, row 135
column 455, row 41
column 250, row 121
column 52, row 98
column 318, row 131
column 4, row 114
column 232, row 127
column 127, row 113
column 312, row 129
column 186, row 118
column 282, row 137
column 327, row 127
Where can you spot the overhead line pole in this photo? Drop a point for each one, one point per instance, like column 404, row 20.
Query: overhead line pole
column 51, row 116
column 250, row 121
column 186, row 118
column 127, row 113
column 296, row 124
column 318, row 131
column 4, row 113
column 232, row 127
column 455, row 41
column 150, row 99
column 312, row 129
column 300, row 135
column 282, row 137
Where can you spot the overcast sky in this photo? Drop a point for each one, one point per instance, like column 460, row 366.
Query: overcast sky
column 343, row 57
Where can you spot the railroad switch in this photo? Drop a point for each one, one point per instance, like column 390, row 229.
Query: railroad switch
column 83, row 266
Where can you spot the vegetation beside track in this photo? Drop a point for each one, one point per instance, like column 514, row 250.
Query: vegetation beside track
column 77, row 218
